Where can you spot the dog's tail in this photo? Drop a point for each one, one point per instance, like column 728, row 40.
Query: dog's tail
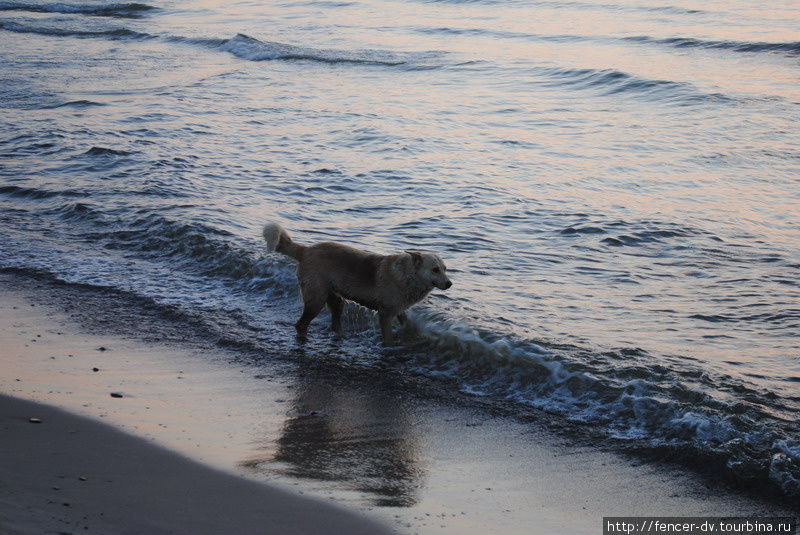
column 278, row 240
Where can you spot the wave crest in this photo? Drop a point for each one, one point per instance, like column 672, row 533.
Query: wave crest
column 791, row 47
column 248, row 48
column 113, row 34
column 126, row 10
column 611, row 82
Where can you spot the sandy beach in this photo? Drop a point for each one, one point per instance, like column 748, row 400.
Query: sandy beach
column 271, row 434
column 65, row 474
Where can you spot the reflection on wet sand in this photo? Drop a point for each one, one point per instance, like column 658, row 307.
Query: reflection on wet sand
column 356, row 433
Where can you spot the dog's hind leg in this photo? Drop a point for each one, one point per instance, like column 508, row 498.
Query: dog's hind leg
column 386, row 327
column 310, row 311
column 313, row 302
column 336, row 304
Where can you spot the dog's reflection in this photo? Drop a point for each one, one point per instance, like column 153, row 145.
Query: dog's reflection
column 356, row 437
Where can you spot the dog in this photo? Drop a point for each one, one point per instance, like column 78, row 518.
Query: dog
column 330, row 272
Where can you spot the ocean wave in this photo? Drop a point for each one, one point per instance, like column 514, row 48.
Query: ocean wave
column 791, row 47
column 631, row 397
column 80, row 104
column 102, row 151
column 36, row 193
column 610, row 82
column 570, row 231
column 577, row 5
column 245, row 47
column 501, row 34
column 326, row 4
column 113, row 34
column 125, row 10
column 674, row 10
column 241, row 46
column 788, row 320
column 788, row 48
column 644, row 238
column 198, row 249
column 654, row 232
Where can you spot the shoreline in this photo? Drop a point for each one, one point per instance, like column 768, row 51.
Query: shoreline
column 366, row 442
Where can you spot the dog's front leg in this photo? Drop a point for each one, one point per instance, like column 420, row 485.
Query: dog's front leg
column 386, row 327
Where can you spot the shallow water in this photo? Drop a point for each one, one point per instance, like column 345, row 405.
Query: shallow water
column 612, row 185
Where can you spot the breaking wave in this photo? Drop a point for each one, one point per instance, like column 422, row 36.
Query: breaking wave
column 248, row 48
column 636, row 400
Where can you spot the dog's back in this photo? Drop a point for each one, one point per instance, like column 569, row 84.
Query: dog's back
column 349, row 272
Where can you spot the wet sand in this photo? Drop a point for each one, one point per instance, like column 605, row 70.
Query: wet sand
column 369, row 442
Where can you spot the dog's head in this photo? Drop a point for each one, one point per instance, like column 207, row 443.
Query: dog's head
column 430, row 269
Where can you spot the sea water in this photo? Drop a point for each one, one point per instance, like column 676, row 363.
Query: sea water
column 614, row 186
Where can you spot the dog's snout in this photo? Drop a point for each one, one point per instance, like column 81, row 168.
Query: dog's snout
column 447, row 284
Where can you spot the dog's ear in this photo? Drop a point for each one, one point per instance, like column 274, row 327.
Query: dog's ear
column 416, row 256
column 403, row 265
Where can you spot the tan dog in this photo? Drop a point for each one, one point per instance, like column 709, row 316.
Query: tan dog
column 330, row 272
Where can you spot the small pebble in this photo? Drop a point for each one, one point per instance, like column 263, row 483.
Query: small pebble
column 116, row 395
column 102, row 348
column 35, row 421
column 82, row 478
column 95, row 369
